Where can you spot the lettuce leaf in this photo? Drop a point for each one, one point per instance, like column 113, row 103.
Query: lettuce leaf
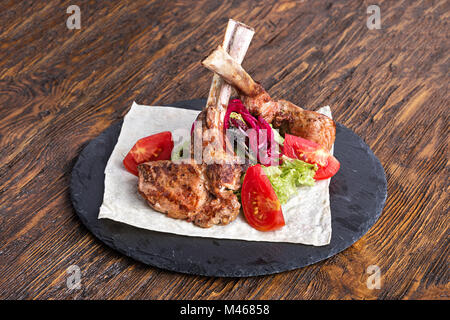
column 288, row 176
column 277, row 136
column 178, row 151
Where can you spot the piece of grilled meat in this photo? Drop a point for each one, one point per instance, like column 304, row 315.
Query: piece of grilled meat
column 284, row 115
column 191, row 191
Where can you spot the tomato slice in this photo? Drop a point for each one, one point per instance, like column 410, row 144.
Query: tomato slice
column 329, row 170
column 130, row 164
column 311, row 152
column 259, row 201
column 155, row 147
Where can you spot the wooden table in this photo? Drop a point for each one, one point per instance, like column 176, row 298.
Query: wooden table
column 60, row 88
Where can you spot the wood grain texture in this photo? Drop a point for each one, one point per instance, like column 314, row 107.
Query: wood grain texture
column 60, row 88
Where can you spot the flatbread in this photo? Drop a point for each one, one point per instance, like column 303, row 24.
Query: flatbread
column 307, row 214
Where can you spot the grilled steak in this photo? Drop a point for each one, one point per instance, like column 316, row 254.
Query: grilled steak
column 195, row 192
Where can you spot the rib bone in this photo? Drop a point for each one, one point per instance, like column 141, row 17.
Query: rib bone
column 231, row 71
column 237, row 40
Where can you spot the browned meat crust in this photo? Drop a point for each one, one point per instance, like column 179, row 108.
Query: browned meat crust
column 283, row 114
column 194, row 192
column 303, row 123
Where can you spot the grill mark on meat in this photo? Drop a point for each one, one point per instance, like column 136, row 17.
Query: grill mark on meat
column 198, row 193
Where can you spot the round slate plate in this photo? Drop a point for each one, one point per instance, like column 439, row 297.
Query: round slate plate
column 357, row 195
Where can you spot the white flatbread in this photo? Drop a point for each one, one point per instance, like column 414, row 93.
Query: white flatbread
column 307, row 214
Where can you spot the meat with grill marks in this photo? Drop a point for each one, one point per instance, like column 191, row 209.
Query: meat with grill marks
column 191, row 191
column 202, row 192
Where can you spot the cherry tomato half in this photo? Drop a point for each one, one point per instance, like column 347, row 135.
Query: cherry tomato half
column 259, row 201
column 155, row 147
column 311, row 152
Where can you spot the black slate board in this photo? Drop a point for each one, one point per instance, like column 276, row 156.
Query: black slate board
column 357, row 194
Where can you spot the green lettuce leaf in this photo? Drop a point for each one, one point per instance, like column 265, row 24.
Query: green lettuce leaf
column 287, row 177
column 277, row 136
column 177, row 152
